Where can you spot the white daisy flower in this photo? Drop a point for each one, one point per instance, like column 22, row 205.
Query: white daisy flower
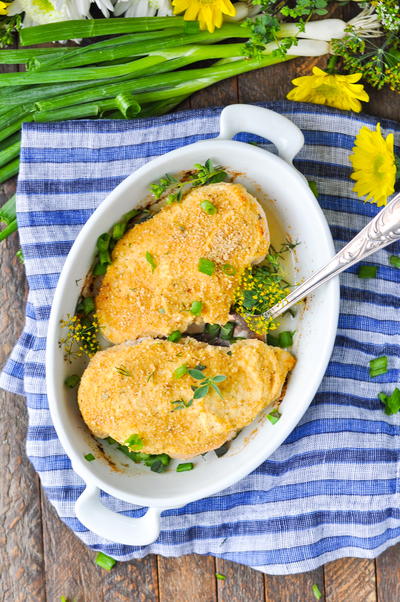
column 143, row 8
column 82, row 7
column 39, row 12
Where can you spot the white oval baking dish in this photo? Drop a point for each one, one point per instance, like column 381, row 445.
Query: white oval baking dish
column 294, row 206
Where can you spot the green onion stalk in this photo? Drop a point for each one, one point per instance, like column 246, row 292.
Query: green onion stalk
column 139, row 74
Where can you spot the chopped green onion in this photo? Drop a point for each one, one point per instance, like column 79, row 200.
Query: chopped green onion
column 394, row 260
column 220, row 576
column 314, row 188
column 208, row 208
column 89, row 457
column 175, row 336
column 206, row 266
column 274, row 416
column 227, row 331
column 391, row 402
column 63, row 599
column 180, row 371
column 184, row 467
column 104, row 561
column 151, row 260
column 316, row 591
column 20, row 256
column 273, row 341
column 71, row 381
column 134, row 441
column 99, row 269
column 104, row 257
column 103, row 242
column 118, row 230
column 196, row 308
column 229, row 269
column 367, row 271
column 285, row 339
column 378, row 366
column 212, row 330
column 88, row 305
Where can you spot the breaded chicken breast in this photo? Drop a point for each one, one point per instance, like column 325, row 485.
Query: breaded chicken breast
column 154, row 279
column 144, row 389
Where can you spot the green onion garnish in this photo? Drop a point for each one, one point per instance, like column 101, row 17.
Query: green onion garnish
column 286, row 339
column 103, row 242
column 196, row 308
column 89, row 457
column 104, row 257
column 367, row 271
column 274, row 416
column 208, row 208
column 184, row 467
column 206, row 266
column 226, row 332
column 134, row 441
column 220, row 576
column 316, row 591
column 394, row 260
column 229, row 269
column 175, row 336
column 391, row 402
column 86, row 305
column 99, row 269
column 151, row 260
column 378, row 366
column 180, row 371
column 104, row 561
column 72, row 380
column 314, row 188
column 118, row 230
column 212, row 330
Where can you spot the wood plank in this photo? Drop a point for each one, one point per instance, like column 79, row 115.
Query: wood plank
column 218, row 95
column 293, row 588
column 350, row 580
column 71, row 570
column 187, row 579
column 21, row 545
column 242, row 584
column 388, row 575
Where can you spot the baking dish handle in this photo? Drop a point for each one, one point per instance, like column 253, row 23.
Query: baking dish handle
column 114, row 526
column 282, row 132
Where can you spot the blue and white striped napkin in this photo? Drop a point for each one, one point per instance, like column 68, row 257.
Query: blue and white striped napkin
column 333, row 488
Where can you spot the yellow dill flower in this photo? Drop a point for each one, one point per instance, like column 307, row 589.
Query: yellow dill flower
column 207, row 12
column 374, row 165
column 340, row 91
column 3, row 8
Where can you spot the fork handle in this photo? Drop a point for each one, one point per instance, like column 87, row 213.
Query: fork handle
column 382, row 230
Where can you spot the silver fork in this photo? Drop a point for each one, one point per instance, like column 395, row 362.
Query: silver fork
column 382, row 230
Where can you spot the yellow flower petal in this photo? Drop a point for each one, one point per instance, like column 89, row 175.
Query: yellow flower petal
column 207, row 12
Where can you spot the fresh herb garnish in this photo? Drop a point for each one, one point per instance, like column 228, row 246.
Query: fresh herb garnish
column 104, row 561
column 202, row 175
column 220, row 577
column 81, row 336
column 212, row 330
column 196, row 308
column 150, row 259
column 134, row 441
column 72, row 380
column 228, row 269
column 206, row 382
column 394, row 260
column 285, row 339
column 314, row 188
column 226, row 332
column 20, row 256
column 206, row 266
column 123, row 371
column 184, row 467
column 274, row 416
column 208, row 208
column 175, row 336
column 378, row 366
column 89, row 457
column 367, row 271
column 316, row 591
column 391, row 402
column 180, row 404
column 180, row 371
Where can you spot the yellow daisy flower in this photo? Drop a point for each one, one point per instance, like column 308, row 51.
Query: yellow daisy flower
column 3, row 8
column 340, row 91
column 374, row 165
column 207, row 12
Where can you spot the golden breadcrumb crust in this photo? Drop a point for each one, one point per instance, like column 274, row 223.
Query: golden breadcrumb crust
column 119, row 406
column 136, row 299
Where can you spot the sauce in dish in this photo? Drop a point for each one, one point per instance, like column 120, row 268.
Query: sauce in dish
column 170, row 318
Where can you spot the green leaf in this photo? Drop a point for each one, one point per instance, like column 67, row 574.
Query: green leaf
column 180, row 371
column 134, row 441
column 201, row 392
column 219, row 378
column 216, row 388
column 391, row 402
column 197, row 374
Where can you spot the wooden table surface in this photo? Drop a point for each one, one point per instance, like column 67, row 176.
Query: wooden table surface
column 41, row 559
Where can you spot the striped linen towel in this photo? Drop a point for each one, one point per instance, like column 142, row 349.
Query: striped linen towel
column 333, row 488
